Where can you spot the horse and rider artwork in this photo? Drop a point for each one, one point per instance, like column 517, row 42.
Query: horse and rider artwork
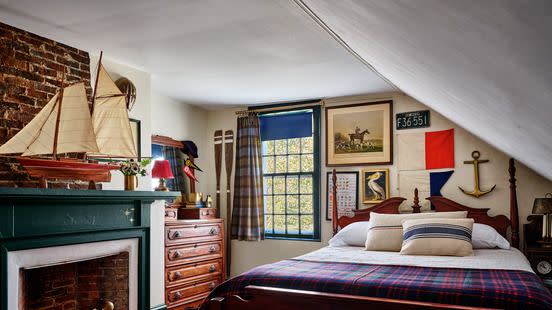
column 359, row 134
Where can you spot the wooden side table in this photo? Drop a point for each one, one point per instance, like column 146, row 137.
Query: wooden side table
column 539, row 255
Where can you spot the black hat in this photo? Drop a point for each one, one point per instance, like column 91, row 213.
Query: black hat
column 190, row 148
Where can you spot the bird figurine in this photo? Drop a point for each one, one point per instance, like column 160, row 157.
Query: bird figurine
column 190, row 173
column 379, row 192
column 191, row 164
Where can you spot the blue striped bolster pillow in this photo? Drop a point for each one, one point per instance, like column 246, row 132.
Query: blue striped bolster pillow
column 450, row 237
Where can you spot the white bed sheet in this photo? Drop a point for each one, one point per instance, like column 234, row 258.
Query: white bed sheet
column 511, row 259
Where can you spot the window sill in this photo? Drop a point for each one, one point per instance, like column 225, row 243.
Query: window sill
column 292, row 239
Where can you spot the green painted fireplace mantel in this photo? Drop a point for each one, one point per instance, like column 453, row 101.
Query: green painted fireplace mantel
column 35, row 218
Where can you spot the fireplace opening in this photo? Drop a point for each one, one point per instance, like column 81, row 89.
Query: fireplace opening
column 83, row 285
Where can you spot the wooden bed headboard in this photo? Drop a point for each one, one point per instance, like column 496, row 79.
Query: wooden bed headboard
column 391, row 206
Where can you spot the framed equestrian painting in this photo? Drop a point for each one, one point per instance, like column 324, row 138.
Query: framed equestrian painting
column 359, row 134
column 375, row 185
column 347, row 193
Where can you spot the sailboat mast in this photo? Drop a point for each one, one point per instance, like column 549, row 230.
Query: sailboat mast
column 56, row 132
column 96, row 82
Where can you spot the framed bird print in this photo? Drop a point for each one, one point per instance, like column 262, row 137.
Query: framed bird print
column 347, row 194
column 375, row 185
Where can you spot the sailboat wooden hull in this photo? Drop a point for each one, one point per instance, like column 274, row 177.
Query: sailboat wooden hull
column 67, row 169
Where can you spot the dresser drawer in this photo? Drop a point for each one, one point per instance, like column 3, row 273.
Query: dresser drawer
column 193, row 233
column 193, row 272
column 191, row 293
column 193, row 252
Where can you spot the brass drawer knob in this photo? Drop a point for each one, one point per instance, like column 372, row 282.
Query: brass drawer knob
column 213, row 231
column 176, row 234
column 212, row 249
column 212, row 285
column 177, row 275
column 212, row 268
column 177, row 296
column 177, row 254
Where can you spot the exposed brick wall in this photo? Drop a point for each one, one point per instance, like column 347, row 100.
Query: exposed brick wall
column 31, row 68
column 78, row 286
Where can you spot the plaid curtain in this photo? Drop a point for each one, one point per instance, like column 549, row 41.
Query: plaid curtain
column 248, row 210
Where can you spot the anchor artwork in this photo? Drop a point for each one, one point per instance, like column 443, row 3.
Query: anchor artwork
column 477, row 192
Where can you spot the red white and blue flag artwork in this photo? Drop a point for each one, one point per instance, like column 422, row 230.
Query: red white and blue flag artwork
column 426, row 150
column 428, row 184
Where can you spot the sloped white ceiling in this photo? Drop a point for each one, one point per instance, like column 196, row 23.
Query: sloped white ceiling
column 486, row 65
column 206, row 52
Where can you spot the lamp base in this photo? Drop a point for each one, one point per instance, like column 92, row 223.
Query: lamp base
column 161, row 187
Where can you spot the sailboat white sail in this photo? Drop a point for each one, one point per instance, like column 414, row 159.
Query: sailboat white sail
column 75, row 132
column 110, row 119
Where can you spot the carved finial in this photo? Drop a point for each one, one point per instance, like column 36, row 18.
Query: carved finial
column 416, row 207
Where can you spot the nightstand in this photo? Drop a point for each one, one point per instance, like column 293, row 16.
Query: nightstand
column 539, row 256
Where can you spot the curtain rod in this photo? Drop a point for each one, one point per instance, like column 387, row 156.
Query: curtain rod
column 280, row 108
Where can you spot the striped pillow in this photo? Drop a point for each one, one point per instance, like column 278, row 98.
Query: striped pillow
column 437, row 236
column 386, row 233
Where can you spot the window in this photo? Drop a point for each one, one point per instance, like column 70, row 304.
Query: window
column 291, row 175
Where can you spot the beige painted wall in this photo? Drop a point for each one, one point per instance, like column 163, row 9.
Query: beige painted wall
column 158, row 115
column 246, row 255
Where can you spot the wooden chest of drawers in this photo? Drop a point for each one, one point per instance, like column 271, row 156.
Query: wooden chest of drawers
column 194, row 261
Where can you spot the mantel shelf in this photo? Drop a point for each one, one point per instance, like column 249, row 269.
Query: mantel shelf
column 39, row 193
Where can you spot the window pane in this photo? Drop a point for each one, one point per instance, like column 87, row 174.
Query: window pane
column 292, row 204
column 279, row 185
column 268, row 224
column 268, row 204
column 292, row 185
column 293, row 163
column 305, row 184
column 281, row 165
column 279, row 204
column 281, row 147
column 279, row 224
column 293, row 224
column 267, row 184
column 307, row 145
column 294, row 146
column 307, row 227
column 268, row 164
column 268, row 147
column 307, row 163
column 306, row 204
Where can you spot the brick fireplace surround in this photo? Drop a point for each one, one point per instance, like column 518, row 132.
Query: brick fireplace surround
column 78, row 285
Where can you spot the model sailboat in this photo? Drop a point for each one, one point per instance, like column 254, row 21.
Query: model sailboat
column 65, row 125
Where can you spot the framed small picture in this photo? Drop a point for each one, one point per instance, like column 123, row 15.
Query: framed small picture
column 375, row 185
column 135, row 127
column 359, row 134
column 347, row 194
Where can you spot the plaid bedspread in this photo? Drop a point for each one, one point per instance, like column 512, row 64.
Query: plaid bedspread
column 504, row 289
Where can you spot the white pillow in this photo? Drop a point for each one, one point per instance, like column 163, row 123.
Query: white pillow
column 486, row 237
column 353, row 234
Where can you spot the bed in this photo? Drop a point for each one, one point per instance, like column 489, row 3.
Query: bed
column 349, row 277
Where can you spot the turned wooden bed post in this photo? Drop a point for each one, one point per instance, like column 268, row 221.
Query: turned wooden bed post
column 514, row 218
column 334, row 202
column 416, row 207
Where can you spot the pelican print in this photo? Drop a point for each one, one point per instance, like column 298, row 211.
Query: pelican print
column 379, row 192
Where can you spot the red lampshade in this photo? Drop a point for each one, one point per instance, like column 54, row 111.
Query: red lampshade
column 162, row 170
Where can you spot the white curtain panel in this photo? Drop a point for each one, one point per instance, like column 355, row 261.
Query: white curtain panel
column 486, row 65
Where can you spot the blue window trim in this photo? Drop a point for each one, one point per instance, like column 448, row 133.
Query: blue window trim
column 316, row 112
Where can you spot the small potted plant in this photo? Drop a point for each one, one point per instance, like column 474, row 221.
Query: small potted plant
column 131, row 169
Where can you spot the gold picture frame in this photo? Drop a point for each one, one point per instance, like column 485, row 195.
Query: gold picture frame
column 375, row 185
column 359, row 134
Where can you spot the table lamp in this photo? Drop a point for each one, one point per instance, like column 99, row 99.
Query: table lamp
column 544, row 206
column 162, row 170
